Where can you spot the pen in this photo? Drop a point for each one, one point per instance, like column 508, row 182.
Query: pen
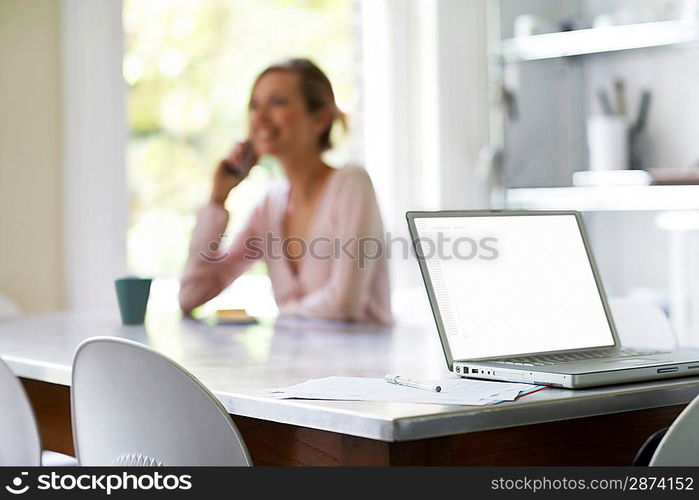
column 604, row 102
column 642, row 112
column 395, row 379
column 619, row 92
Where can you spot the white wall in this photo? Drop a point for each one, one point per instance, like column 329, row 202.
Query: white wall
column 632, row 253
column 62, row 144
column 31, row 239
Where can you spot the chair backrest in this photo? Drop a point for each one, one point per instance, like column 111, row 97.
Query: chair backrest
column 680, row 445
column 133, row 406
column 641, row 324
column 20, row 444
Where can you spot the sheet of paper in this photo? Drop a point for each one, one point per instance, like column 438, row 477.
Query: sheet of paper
column 454, row 391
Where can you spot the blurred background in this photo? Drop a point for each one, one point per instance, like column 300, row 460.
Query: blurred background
column 114, row 114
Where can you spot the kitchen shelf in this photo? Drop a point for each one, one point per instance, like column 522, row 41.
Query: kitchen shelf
column 607, row 198
column 599, row 40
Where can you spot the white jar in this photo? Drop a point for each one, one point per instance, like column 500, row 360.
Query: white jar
column 608, row 142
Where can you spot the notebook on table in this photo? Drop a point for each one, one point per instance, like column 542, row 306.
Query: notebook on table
column 516, row 296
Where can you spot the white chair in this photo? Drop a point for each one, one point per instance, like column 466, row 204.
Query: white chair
column 680, row 445
column 641, row 324
column 132, row 406
column 20, row 444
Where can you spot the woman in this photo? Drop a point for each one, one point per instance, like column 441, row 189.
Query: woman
column 319, row 231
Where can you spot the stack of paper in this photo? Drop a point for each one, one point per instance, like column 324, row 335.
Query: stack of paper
column 454, row 391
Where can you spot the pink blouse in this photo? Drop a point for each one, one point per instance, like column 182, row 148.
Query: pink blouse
column 343, row 274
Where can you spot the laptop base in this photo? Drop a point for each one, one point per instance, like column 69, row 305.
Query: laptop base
column 578, row 375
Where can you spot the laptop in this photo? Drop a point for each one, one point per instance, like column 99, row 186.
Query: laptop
column 517, row 297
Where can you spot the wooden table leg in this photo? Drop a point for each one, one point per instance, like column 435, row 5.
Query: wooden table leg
column 51, row 403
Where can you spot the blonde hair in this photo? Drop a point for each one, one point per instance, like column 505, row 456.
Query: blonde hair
column 316, row 90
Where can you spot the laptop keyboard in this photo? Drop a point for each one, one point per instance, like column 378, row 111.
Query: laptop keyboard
column 554, row 359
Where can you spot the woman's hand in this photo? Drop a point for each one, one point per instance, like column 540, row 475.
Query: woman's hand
column 231, row 170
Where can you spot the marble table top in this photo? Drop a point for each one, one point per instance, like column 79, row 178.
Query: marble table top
column 240, row 363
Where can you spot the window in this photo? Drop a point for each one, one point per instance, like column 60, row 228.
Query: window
column 189, row 67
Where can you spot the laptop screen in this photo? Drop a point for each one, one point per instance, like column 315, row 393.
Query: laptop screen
column 507, row 285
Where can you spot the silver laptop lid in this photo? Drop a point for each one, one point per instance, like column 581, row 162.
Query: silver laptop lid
column 509, row 283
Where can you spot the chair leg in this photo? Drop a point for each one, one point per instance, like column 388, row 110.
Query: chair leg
column 647, row 449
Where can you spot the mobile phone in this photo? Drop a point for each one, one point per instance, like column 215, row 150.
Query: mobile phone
column 241, row 169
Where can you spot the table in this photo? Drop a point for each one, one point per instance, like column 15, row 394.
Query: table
column 603, row 426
